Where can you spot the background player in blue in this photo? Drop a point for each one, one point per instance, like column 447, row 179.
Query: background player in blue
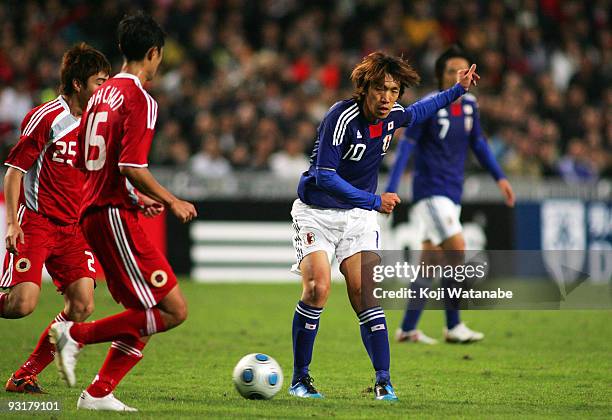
column 337, row 196
column 441, row 144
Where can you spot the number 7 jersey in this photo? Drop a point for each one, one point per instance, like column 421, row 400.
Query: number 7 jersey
column 116, row 130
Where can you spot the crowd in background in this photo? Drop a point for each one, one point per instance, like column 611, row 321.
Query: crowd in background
column 245, row 83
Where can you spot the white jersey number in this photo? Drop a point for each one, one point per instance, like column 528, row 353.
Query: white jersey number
column 64, row 148
column 444, row 126
column 92, row 139
column 355, row 151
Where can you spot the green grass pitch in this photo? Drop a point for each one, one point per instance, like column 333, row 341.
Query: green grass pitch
column 532, row 364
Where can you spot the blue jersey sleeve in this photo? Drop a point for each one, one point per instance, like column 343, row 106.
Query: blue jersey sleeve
column 405, row 148
column 481, row 149
column 328, row 160
column 425, row 108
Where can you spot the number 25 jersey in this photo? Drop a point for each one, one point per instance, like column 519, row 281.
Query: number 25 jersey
column 45, row 153
column 116, row 130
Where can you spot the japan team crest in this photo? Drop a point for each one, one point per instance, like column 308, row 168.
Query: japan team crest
column 309, row 238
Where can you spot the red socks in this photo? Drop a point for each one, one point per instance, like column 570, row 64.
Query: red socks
column 42, row 355
column 121, row 358
column 125, row 326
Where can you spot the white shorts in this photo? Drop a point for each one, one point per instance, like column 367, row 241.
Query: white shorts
column 438, row 217
column 335, row 231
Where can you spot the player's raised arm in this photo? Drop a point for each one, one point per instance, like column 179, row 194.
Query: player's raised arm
column 426, row 108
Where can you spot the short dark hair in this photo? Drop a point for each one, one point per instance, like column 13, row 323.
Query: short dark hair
column 80, row 63
column 373, row 68
column 137, row 34
column 455, row 51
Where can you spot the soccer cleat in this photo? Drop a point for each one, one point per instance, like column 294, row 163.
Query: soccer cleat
column 106, row 403
column 26, row 385
column 460, row 333
column 383, row 391
column 66, row 350
column 304, row 388
column 414, row 336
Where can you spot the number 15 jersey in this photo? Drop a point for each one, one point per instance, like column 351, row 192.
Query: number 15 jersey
column 116, row 130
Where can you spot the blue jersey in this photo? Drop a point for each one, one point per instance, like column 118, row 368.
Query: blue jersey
column 441, row 145
column 348, row 151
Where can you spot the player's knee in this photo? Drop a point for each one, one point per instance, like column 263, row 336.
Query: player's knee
column 181, row 315
column 80, row 311
column 176, row 316
column 22, row 307
column 316, row 292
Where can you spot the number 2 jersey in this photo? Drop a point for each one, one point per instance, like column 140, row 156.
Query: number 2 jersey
column 116, row 130
column 45, row 153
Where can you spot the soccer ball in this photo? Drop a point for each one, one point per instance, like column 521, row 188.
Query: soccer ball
column 257, row 376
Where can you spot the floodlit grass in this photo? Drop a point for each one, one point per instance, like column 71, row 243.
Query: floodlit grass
column 531, row 364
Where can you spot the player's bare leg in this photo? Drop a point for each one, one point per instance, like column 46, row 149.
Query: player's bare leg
column 78, row 298
column 316, row 282
column 456, row 331
column 20, row 300
column 358, row 272
column 316, row 279
column 124, row 328
column 173, row 308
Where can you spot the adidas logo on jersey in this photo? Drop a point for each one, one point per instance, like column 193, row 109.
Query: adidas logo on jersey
column 359, row 134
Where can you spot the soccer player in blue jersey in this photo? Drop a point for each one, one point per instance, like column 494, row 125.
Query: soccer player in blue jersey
column 336, row 209
column 440, row 144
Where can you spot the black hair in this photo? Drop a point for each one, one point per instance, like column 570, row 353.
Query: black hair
column 137, row 34
column 455, row 51
column 80, row 63
column 373, row 68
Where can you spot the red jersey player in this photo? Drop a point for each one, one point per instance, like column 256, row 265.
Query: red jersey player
column 116, row 133
column 42, row 214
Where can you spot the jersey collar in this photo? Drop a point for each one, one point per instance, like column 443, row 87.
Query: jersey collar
column 128, row 76
column 64, row 103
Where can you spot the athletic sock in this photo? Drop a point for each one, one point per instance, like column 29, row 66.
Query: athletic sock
column 375, row 338
column 304, row 332
column 3, row 297
column 122, row 356
column 415, row 306
column 451, row 304
column 42, row 355
column 133, row 323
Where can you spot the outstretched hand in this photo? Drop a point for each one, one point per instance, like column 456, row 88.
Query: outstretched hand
column 468, row 77
column 507, row 192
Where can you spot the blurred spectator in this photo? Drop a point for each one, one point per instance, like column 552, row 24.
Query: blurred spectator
column 575, row 166
column 291, row 161
column 209, row 162
column 178, row 154
column 256, row 74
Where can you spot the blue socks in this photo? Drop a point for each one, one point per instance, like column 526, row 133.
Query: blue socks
column 304, row 331
column 415, row 306
column 375, row 338
column 451, row 305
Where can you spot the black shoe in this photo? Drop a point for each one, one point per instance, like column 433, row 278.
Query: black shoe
column 304, row 388
column 384, row 391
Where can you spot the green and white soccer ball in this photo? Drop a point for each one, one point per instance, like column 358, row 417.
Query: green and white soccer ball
column 257, row 376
